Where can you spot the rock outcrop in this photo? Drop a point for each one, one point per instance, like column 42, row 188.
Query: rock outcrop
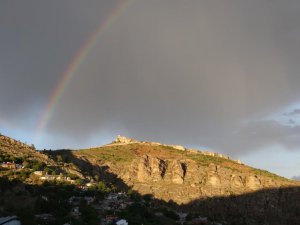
column 123, row 140
column 184, row 180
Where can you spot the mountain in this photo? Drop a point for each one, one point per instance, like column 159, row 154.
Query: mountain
column 173, row 173
column 185, row 180
column 168, row 172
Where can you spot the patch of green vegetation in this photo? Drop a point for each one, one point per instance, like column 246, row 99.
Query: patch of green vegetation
column 122, row 153
column 268, row 174
column 205, row 160
column 35, row 165
column 169, row 148
column 11, row 158
column 233, row 169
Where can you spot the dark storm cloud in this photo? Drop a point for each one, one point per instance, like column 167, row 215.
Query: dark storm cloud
column 37, row 40
column 186, row 72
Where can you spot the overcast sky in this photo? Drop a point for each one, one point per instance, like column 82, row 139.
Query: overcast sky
column 221, row 75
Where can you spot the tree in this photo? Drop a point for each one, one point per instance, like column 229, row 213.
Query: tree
column 79, row 181
column 147, row 197
column 101, row 187
column 59, row 158
column 97, row 178
column 72, row 176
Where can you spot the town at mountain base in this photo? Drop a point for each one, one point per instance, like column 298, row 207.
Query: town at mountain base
column 178, row 184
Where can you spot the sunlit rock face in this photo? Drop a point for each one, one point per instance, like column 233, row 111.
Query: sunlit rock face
column 184, row 180
column 253, row 182
column 237, row 182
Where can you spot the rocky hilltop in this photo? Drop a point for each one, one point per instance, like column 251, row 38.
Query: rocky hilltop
column 176, row 173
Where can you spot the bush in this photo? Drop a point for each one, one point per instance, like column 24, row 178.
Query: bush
column 72, row 176
column 171, row 214
column 102, row 187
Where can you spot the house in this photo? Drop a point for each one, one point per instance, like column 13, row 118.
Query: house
column 48, row 177
column 45, row 198
column 19, row 166
column 75, row 201
column 9, row 165
column 52, row 177
column 182, row 216
column 45, row 217
column 89, row 200
column 109, row 219
column 10, row 220
column 121, row 222
column 76, row 212
column 200, row 220
column 38, row 173
column 70, row 180
column 112, row 196
column 90, row 184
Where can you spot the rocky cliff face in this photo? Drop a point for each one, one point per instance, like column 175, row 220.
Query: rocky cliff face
column 184, row 180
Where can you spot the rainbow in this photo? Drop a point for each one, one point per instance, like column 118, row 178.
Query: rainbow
column 76, row 61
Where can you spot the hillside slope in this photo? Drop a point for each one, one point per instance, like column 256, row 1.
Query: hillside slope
column 18, row 149
column 175, row 173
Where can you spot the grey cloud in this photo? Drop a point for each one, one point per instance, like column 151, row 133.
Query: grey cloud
column 292, row 121
column 187, row 72
column 295, row 112
column 37, row 41
column 259, row 134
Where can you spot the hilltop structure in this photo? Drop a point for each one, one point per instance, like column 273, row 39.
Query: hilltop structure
column 123, row 140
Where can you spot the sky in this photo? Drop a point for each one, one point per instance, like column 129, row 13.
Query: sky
column 208, row 74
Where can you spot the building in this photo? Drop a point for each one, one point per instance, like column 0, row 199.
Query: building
column 121, row 222
column 200, row 220
column 89, row 200
column 76, row 212
column 75, row 201
column 38, row 173
column 45, row 217
column 109, row 219
column 9, row 165
column 10, row 220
